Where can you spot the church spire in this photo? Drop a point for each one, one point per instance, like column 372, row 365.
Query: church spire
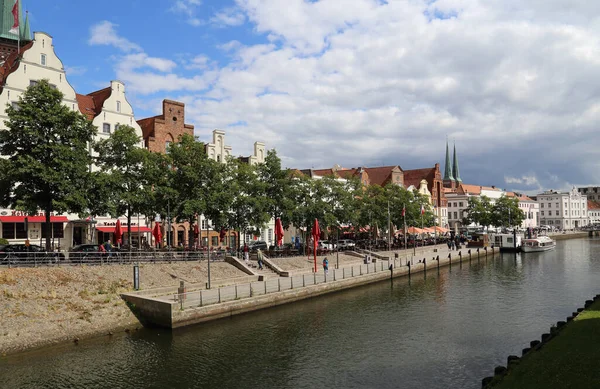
column 448, row 169
column 455, row 170
column 25, row 30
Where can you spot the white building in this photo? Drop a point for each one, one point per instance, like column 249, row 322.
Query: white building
column 458, row 201
column 593, row 212
column 565, row 211
column 530, row 208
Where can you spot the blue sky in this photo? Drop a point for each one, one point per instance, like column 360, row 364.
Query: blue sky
column 358, row 82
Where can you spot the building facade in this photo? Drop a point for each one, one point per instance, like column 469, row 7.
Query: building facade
column 565, row 211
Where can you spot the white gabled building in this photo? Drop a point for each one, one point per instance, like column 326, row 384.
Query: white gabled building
column 565, row 211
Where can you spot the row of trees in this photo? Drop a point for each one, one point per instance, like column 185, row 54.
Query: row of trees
column 504, row 212
column 53, row 164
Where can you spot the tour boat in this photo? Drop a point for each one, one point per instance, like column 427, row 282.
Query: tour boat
column 541, row 243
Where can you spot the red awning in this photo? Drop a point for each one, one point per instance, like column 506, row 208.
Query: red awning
column 134, row 230
column 33, row 219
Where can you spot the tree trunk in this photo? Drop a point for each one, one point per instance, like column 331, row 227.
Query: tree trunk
column 128, row 227
column 48, row 229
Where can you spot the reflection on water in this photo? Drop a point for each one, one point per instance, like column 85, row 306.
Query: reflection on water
column 446, row 330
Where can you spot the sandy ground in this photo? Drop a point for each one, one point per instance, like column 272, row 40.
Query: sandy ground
column 302, row 264
column 45, row 305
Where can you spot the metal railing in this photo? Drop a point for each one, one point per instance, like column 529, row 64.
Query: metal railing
column 201, row 298
column 36, row 259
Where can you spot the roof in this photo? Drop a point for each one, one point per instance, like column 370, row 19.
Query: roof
column 413, row 177
column 90, row 105
column 475, row 189
column 380, row 175
column 593, row 205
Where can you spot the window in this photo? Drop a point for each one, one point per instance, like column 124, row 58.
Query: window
column 215, row 241
column 557, row 205
column 57, row 230
column 557, row 214
column 460, row 204
column 456, row 215
column 15, row 106
column 542, row 213
column 106, row 128
column 167, row 144
column 270, row 235
column 455, row 204
column 52, row 86
column 549, row 205
column 118, row 106
column 43, row 59
column 542, row 205
column 14, row 231
column 32, row 83
column 204, row 224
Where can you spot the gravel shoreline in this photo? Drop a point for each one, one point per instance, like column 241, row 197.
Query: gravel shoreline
column 48, row 305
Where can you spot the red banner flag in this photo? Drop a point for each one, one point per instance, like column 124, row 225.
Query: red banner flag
column 15, row 12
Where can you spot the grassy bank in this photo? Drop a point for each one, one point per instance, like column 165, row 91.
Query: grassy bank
column 569, row 360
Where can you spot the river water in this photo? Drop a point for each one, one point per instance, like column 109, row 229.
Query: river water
column 442, row 330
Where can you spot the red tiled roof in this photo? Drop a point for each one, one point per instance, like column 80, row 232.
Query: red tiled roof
column 474, row 189
column 11, row 64
column 593, row 205
column 324, row 172
column 87, row 106
column 380, row 175
column 414, row 177
column 91, row 104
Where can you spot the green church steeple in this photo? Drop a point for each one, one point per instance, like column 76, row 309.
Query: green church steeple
column 7, row 20
column 448, row 169
column 455, row 171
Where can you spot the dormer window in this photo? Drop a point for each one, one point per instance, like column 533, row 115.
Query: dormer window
column 106, row 128
column 43, row 59
column 118, row 106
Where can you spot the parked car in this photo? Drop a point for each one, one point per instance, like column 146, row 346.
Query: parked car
column 84, row 252
column 23, row 252
column 346, row 244
column 326, row 245
column 258, row 244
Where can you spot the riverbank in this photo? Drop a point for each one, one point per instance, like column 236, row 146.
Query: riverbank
column 568, row 360
column 47, row 305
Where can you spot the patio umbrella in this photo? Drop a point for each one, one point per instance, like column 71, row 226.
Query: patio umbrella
column 157, row 233
column 118, row 233
column 278, row 232
column 196, row 231
column 316, row 232
column 222, row 234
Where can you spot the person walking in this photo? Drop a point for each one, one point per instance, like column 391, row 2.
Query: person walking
column 246, row 253
column 259, row 255
column 325, row 265
column 108, row 247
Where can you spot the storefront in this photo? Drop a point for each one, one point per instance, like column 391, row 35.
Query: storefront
column 18, row 227
column 140, row 233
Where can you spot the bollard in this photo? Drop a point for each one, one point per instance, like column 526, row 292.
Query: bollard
column 450, row 259
column 425, row 266
column 408, row 264
column 460, row 259
column 469, row 255
column 279, row 284
column 485, row 248
column 391, row 267
column 181, row 291
column 315, row 281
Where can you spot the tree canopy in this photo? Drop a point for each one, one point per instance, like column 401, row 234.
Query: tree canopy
column 48, row 158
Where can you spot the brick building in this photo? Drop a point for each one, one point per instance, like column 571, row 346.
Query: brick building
column 158, row 132
column 435, row 186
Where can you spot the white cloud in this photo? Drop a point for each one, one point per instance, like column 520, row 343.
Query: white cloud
column 104, row 33
column 231, row 16
column 514, row 83
column 188, row 8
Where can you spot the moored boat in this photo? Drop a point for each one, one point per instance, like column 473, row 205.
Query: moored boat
column 510, row 243
column 541, row 243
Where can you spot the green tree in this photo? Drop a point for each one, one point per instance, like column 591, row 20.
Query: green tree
column 278, row 188
column 479, row 211
column 124, row 164
column 198, row 184
column 46, row 145
column 249, row 207
column 506, row 212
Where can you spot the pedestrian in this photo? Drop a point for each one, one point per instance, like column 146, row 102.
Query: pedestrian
column 259, row 255
column 246, row 253
column 453, row 245
column 108, row 247
column 449, row 243
column 325, row 265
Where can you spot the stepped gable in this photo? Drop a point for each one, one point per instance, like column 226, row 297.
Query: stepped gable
column 91, row 104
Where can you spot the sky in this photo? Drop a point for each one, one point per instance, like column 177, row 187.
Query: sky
column 513, row 83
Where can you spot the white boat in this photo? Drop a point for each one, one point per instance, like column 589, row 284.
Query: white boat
column 508, row 242
column 541, row 243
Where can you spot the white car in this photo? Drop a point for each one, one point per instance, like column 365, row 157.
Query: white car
column 326, row 245
column 346, row 244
